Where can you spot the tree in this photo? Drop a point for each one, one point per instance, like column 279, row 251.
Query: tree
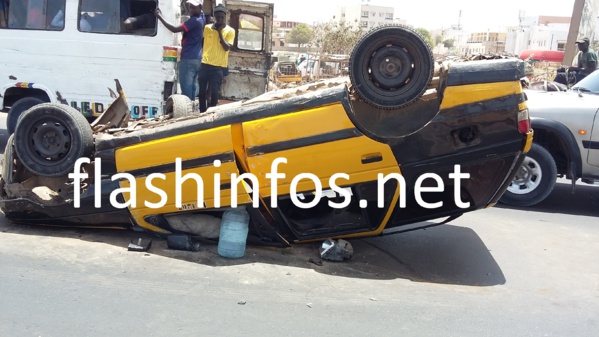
column 335, row 37
column 426, row 34
column 300, row 34
column 449, row 43
column 438, row 39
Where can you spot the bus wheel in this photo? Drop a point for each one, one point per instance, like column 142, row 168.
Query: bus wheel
column 17, row 109
column 179, row 106
column 50, row 138
column 391, row 66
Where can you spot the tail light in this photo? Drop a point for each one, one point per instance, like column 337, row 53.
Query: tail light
column 523, row 121
column 169, row 53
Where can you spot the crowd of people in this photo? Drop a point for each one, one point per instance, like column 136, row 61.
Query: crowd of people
column 204, row 52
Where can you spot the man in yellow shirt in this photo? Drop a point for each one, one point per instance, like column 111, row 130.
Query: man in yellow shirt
column 218, row 39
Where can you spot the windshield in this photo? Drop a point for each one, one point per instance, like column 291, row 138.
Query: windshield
column 589, row 83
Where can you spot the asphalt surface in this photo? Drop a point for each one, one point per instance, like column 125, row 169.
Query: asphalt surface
column 495, row 272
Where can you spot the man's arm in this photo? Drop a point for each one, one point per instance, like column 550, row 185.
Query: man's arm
column 168, row 25
column 592, row 64
column 223, row 42
column 573, row 68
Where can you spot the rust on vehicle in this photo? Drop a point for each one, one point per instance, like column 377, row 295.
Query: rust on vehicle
column 246, row 76
column 250, row 55
column 116, row 116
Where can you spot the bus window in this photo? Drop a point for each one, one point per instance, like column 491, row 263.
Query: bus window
column 32, row 14
column 118, row 17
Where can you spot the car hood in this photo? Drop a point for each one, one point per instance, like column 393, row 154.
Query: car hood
column 560, row 103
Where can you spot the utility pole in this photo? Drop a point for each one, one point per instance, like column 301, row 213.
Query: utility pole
column 574, row 29
column 520, row 19
column 578, row 21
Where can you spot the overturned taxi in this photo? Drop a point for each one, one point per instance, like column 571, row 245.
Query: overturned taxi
column 390, row 146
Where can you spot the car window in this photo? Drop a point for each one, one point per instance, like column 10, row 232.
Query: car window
column 590, row 83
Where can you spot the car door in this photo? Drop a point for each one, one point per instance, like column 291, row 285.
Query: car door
column 593, row 145
column 316, row 144
column 208, row 169
column 250, row 56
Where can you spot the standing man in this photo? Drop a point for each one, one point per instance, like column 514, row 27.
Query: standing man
column 218, row 39
column 191, row 50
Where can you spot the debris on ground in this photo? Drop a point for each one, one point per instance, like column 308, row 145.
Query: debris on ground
column 336, row 250
column 317, row 262
column 139, row 246
column 182, row 242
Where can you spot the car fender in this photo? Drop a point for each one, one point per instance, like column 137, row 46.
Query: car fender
column 567, row 139
column 25, row 89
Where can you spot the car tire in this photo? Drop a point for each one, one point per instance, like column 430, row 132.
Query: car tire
column 179, row 106
column 534, row 181
column 50, row 138
column 391, row 66
column 17, row 109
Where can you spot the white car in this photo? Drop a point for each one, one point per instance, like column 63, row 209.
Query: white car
column 566, row 141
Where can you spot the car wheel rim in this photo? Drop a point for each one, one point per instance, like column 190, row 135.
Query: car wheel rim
column 50, row 141
column 390, row 67
column 528, row 177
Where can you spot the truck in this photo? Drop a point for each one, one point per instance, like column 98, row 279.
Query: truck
column 70, row 52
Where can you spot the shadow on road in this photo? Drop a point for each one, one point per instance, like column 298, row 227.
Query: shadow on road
column 444, row 255
column 584, row 201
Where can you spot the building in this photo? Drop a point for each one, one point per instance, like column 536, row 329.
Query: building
column 284, row 26
column 458, row 36
column 492, row 42
column 280, row 30
column 365, row 15
column 538, row 33
column 399, row 21
column 471, row 48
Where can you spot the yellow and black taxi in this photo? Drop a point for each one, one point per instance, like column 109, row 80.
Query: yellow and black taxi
column 397, row 143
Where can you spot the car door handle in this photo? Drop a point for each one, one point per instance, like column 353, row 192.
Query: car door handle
column 372, row 158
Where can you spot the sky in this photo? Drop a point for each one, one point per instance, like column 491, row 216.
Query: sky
column 481, row 15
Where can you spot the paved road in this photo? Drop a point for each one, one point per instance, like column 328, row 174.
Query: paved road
column 495, row 272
